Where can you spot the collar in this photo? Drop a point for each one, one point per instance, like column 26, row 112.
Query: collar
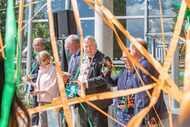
column 77, row 53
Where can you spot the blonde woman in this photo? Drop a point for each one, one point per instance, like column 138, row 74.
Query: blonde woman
column 46, row 88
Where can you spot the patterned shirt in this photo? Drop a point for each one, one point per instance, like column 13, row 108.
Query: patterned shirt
column 74, row 64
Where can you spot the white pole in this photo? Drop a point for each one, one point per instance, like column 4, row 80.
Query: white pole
column 67, row 4
column 29, row 38
column 103, row 34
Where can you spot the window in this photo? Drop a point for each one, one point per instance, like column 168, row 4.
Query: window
column 58, row 5
column 88, row 27
column 85, row 10
column 87, row 18
column 135, row 7
column 135, row 27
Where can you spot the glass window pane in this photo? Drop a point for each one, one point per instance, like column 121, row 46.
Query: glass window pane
column 43, row 11
column 88, row 27
column 154, row 25
column 135, row 28
column 85, row 10
column 119, row 7
column 168, row 7
column 117, row 51
column 135, row 7
column 58, row 5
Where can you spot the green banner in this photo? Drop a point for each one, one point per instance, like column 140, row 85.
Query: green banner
column 9, row 83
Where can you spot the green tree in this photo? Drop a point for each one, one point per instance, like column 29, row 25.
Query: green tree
column 40, row 30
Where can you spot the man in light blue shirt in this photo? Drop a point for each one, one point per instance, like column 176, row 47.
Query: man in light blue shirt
column 72, row 44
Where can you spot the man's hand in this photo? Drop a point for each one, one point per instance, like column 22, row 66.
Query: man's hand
column 82, row 87
column 66, row 77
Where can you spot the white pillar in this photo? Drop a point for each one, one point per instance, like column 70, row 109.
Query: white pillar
column 103, row 34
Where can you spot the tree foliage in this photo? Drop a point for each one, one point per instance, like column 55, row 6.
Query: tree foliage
column 40, row 30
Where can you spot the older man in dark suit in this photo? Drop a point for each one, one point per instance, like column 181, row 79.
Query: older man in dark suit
column 90, row 70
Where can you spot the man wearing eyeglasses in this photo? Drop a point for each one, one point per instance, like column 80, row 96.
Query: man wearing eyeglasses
column 125, row 80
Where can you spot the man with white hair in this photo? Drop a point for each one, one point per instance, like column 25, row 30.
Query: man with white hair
column 72, row 44
column 90, row 70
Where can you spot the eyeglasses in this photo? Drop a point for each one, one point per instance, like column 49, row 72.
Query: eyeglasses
column 121, row 103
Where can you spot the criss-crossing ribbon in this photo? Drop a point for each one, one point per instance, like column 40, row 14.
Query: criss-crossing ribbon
column 164, row 82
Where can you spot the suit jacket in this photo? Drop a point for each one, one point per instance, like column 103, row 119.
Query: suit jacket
column 96, row 83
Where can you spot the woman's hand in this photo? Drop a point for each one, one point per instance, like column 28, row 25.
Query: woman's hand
column 28, row 80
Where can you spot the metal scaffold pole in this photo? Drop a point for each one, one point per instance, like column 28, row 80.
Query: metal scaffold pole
column 145, row 19
column 29, row 38
column 67, row 4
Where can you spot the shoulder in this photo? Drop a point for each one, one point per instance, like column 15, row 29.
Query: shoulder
column 145, row 63
column 122, row 74
column 100, row 53
column 99, row 56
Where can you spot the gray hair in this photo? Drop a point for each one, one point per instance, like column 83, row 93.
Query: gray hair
column 38, row 40
column 91, row 38
column 72, row 38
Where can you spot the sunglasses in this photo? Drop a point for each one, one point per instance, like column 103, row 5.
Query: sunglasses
column 121, row 103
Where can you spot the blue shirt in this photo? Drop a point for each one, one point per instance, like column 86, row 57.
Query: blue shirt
column 142, row 99
column 126, row 80
column 147, row 79
column 74, row 64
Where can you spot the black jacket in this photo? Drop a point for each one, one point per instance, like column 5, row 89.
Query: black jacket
column 96, row 83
